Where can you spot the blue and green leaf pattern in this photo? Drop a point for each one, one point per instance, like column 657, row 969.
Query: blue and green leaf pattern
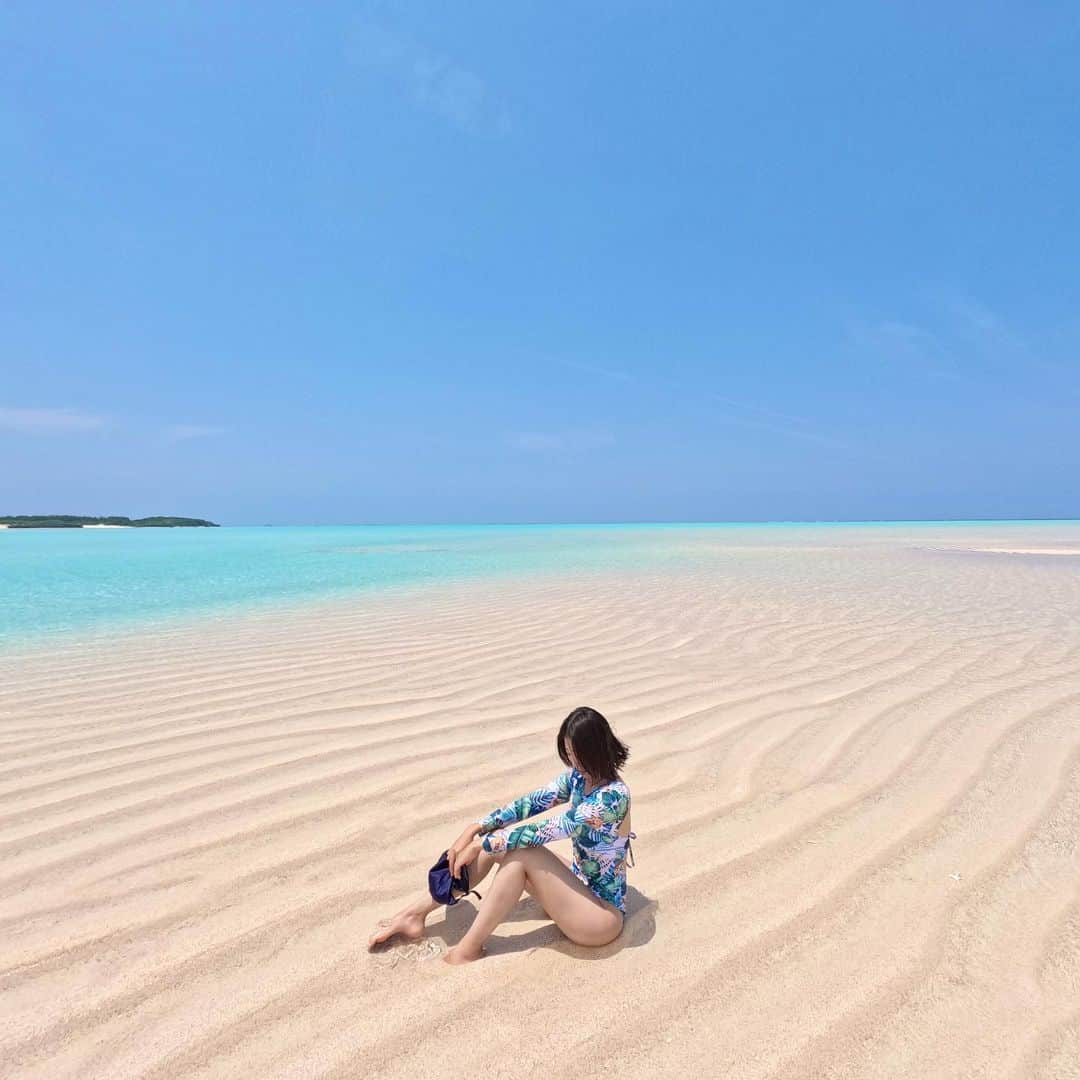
column 592, row 823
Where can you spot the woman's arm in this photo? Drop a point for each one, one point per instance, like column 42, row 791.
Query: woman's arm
column 588, row 821
column 551, row 794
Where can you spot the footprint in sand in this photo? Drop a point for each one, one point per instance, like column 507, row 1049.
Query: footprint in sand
column 416, row 951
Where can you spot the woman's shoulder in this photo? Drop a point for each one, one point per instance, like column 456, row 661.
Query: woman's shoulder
column 617, row 786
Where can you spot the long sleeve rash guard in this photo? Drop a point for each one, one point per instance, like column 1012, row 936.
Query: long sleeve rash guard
column 592, row 823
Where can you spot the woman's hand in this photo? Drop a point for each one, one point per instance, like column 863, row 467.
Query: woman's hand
column 464, row 850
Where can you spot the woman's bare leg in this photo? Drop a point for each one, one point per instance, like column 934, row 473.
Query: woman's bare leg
column 574, row 908
column 410, row 920
column 568, row 901
column 504, row 893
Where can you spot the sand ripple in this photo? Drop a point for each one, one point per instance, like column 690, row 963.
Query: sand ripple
column 856, row 782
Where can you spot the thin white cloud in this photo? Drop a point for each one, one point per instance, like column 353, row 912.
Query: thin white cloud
column 905, row 345
column 896, row 340
column 959, row 339
column 431, row 81
column 48, row 421
column 806, row 434
column 989, row 338
column 560, row 441
column 185, row 432
column 742, row 413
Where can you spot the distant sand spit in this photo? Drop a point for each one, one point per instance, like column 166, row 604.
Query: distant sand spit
column 1030, row 551
column 856, row 783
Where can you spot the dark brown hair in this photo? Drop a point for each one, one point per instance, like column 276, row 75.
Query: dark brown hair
column 598, row 751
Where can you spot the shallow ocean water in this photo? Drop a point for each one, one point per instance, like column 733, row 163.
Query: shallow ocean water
column 65, row 581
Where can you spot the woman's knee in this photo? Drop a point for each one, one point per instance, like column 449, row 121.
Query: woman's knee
column 512, row 868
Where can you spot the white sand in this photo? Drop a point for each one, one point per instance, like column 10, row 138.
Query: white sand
column 856, row 783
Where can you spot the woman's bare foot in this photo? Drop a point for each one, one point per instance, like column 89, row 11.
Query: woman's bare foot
column 406, row 923
column 458, row 955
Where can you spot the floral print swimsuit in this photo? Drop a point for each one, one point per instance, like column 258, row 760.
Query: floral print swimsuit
column 592, row 822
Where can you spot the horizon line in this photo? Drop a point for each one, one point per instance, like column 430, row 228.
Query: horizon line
column 664, row 521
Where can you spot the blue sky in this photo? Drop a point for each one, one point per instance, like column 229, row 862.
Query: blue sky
column 533, row 262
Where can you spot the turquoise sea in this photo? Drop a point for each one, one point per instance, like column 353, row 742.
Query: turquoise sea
column 66, row 581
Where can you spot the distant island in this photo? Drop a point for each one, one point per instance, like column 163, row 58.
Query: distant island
column 73, row 521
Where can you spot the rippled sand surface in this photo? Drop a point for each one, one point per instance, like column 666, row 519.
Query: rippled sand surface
column 855, row 767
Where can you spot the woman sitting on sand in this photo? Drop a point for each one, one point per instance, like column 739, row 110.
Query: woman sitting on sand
column 586, row 897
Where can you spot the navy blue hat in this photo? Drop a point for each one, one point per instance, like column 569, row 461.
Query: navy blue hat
column 441, row 885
